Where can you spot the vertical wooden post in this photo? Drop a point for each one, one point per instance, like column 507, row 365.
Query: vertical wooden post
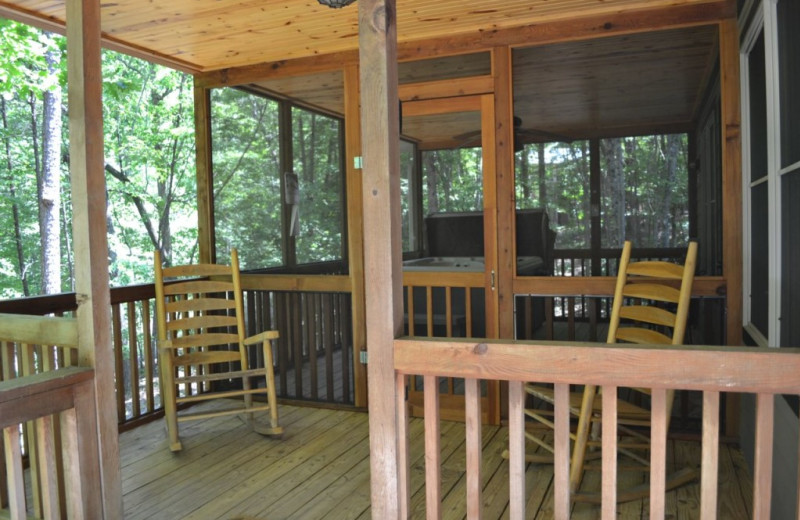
column 355, row 227
column 382, row 246
column 731, row 142
column 204, row 174
column 89, row 229
column 731, row 176
column 505, row 199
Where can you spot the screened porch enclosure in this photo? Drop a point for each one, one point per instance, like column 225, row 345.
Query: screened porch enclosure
column 526, row 158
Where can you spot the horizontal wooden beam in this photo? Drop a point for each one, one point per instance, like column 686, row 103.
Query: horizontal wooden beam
column 446, row 88
column 440, row 279
column 303, row 283
column 714, row 368
column 708, row 286
column 39, row 330
column 278, row 69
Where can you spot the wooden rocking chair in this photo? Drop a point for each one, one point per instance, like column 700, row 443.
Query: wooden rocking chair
column 654, row 312
column 202, row 344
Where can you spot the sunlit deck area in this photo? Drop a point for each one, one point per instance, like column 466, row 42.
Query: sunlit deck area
column 320, row 469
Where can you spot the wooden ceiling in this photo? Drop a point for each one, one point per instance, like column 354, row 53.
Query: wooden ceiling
column 569, row 79
column 206, row 35
column 632, row 84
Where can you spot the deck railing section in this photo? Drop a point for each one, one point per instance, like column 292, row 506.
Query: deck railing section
column 46, row 406
column 449, row 305
column 710, row 370
column 313, row 357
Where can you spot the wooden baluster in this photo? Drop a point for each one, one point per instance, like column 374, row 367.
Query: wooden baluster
column 51, row 463
column 410, row 310
column 468, row 310
column 762, row 470
column 429, row 309
column 297, row 343
column 116, row 322
column 549, row 313
column 516, row 450
column 328, row 331
column 49, row 471
column 472, row 398
column 571, row 318
column 345, row 321
column 609, row 449
column 147, row 352
column 433, row 476
column 29, row 367
column 133, row 349
column 710, row 456
column 561, row 451
column 448, row 306
column 658, row 452
column 16, row 476
column 312, row 318
column 283, row 340
column 403, row 461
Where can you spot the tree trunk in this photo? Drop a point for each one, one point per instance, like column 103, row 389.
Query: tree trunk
column 667, row 238
column 50, row 199
column 22, row 270
column 430, row 180
column 614, row 187
column 542, row 177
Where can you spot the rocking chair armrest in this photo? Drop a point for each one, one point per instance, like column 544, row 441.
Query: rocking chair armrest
column 262, row 337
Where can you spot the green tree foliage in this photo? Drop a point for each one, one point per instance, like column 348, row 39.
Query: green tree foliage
column 452, row 180
column 149, row 141
column 316, row 146
column 31, row 68
column 247, row 177
column 643, row 190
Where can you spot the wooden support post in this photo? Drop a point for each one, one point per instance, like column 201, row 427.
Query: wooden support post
column 89, row 229
column 505, row 199
column 204, row 174
column 731, row 176
column 355, row 227
column 731, row 142
column 382, row 246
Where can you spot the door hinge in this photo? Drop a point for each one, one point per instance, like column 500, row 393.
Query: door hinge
column 362, row 357
column 493, row 279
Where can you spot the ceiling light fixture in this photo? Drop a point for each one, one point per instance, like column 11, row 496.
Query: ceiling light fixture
column 336, row 4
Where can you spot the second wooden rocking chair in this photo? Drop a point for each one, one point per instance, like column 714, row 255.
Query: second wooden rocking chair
column 650, row 306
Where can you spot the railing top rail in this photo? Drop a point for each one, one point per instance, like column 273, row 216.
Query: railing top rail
column 29, row 397
column 39, row 330
column 714, row 368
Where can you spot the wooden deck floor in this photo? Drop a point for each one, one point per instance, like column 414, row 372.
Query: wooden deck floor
column 320, row 469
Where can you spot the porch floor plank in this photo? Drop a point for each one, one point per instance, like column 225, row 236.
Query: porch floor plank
column 320, row 469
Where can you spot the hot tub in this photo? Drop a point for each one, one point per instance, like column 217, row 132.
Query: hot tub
column 526, row 265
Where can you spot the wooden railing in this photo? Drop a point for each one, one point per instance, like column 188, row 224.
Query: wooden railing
column 710, row 370
column 585, row 262
column 313, row 357
column 451, row 305
column 49, row 465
